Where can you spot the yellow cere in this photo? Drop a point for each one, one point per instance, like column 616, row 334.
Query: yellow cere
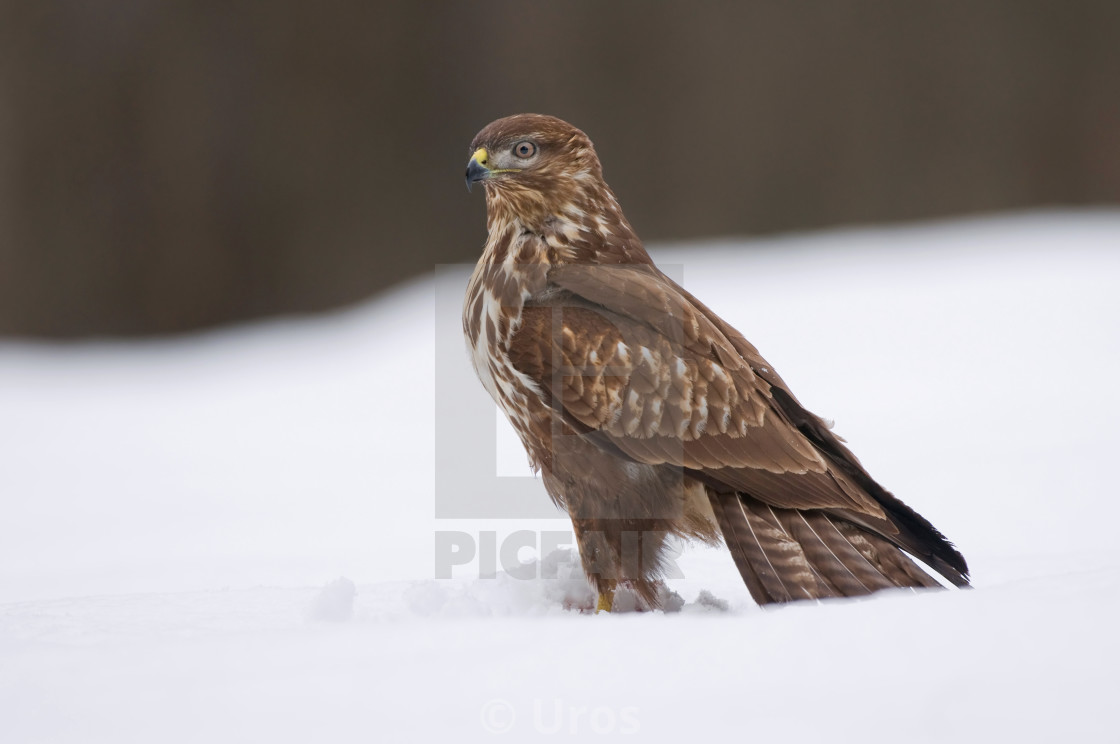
column 483, row 158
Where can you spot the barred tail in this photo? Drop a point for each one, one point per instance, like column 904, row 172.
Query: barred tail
column 790, row 554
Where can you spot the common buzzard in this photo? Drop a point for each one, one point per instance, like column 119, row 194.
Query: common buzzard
column 648, row 415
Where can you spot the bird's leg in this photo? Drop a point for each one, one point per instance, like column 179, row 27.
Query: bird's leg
column 606, row 598
column 598, row 541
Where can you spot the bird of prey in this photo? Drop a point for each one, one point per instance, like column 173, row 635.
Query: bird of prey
column 648, row 415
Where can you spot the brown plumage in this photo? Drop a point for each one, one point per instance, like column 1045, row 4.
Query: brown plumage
column 648, row 415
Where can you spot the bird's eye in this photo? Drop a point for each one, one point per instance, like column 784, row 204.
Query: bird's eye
column 524, row 149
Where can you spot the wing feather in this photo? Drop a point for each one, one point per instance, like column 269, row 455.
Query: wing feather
column 685, row 398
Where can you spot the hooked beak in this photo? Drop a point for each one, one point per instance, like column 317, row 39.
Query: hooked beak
column 476, row 169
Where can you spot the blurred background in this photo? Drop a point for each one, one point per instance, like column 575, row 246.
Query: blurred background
column 172, row 503
column 169, row 165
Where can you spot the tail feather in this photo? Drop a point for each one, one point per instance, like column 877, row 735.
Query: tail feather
column 833, row 555
column 772, row 561
column 789, row 554
column 753, row 542
column 883, row 554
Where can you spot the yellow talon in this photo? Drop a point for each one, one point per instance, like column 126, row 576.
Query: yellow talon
column 605, row 602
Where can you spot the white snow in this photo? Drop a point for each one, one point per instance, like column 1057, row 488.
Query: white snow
column 232, row 536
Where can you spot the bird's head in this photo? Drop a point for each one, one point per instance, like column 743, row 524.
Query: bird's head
column 532, row 165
